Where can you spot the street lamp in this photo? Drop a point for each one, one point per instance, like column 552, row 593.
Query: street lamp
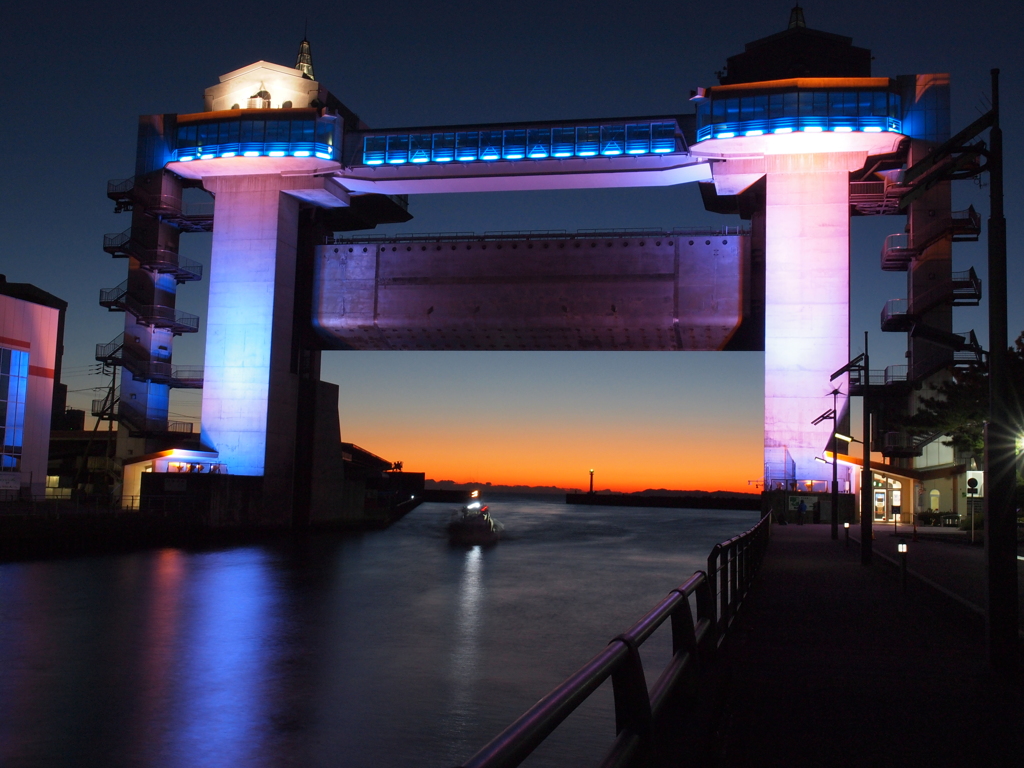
column 902, row 549
column 591, row 481
column 861, row 366
column 834, row 415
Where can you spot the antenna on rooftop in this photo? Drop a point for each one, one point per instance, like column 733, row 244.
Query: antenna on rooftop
column 304, row 61
column 796, row 17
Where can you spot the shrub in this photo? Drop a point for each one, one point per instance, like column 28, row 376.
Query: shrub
column 979, row 521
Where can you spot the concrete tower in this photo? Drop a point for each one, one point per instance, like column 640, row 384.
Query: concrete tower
column 800, row 110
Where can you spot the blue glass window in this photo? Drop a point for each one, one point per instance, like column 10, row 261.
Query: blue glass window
column 563, row 142
column 13, row 393
column 638, row 139
column 420, row 147
column 663, row 137
column 443, row 147
column 253, row 131
column 467, row 145
column 894, row 105
column 514, row 144
column 538, row 142
column 588, row 140
column 398, row 149
column 374, row 149
column 490, row 145
column 613, row 139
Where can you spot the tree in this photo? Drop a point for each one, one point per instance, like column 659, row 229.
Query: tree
column 959, row 408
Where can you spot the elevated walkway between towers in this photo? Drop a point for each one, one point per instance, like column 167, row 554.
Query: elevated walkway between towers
column 833, row 663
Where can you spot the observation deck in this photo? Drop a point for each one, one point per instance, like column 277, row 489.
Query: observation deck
column 799, row 105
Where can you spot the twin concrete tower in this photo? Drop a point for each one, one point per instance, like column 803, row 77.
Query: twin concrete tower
column 797, row 120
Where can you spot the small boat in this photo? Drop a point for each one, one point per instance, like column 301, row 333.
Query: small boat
column 473, row 524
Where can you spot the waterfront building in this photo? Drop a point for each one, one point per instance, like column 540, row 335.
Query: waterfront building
column 31, row 345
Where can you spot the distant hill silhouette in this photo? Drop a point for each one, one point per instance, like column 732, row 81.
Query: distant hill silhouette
column 551, row 489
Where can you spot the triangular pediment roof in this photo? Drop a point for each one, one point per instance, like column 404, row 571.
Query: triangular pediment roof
column 257, row 66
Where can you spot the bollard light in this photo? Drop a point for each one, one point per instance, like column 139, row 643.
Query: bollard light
column 901, row 547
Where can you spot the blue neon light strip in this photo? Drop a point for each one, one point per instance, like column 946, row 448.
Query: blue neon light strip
column 516, row 144
column 255, row 136
column 806, row 111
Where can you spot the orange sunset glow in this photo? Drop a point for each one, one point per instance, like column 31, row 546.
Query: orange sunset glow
column 683, row 421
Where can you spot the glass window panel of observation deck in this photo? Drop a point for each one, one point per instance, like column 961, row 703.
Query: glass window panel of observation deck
column 278, row 131
column 467, row 145
column 613, row 139
column 443, row 147
column 514, row 143
column 718, row 111
column 303, row 131
column 538, row 143
column 187, row 136
column 325, row 132
column 490, row 145
column 398, row 149
column 894, row 106
column 203, row 139
column 638, row 138
column 420, row 147
column 754, row 108
column 563, row 142
column 842, row 103
column 230, row 131
column 663, row 137
column 375, row 149
column 253, row 131
column 588, row 140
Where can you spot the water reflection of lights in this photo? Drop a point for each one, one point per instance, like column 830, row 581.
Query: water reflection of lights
column 466, row 650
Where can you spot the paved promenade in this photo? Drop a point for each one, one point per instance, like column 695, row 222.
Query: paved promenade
column 834, row 664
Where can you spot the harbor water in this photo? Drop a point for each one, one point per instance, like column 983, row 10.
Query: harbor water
column 388, row 648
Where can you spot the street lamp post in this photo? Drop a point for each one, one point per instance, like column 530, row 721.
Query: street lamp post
column 834, row 415
column 861, row 366
column 591, row 481
column 835, row 467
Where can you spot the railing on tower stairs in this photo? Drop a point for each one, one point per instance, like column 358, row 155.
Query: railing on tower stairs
column 900, row 444
column 186, row 216
column 161, row 260
column 877, row 197
column 111, row 353
column 962, row 290
column 684, row 684
column 891, row 380
column 138, row 424
column 899, row 249
column 159, row 316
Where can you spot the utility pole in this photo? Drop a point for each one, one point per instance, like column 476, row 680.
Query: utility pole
column 1000, row 444
column 866, row 480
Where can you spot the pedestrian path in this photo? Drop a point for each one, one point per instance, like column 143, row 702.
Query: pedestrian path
column 947, row 561
column 833, row 663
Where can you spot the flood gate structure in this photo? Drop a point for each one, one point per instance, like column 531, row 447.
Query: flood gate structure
column 795, row 139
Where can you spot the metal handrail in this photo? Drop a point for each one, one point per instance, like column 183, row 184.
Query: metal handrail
column 739, row 558
column 693, row 646
column 120, row 186
column 894, row 308
column 895, row 374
